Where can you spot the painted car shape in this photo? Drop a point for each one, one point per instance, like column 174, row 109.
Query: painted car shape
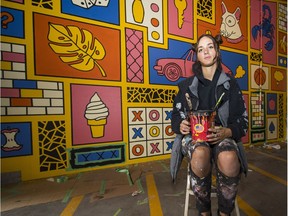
column 174, row 68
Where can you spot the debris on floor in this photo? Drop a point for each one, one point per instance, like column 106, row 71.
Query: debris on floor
column 135, row 193
column 58, row 179
column 271, row 146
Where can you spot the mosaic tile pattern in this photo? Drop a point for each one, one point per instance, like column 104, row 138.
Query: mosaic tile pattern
column 52, row 145
column 205, row 9
column 255, row 56
column 281, row 116
column 150, row 95
column 48, row 4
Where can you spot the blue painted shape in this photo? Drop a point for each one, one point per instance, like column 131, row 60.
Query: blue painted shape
column 169, row 145
column 28, row 84
column 97, row 156
column 232, row 61
column 108, row 14
column 15, row 27
column 22, row 139
column 137, row 133
column 168, row 115
column 271, row 127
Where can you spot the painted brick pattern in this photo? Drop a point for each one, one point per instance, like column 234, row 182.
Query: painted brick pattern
column 20, row 96
column 282, row 21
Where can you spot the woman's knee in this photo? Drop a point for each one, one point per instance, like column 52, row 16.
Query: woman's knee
column 201, row 161
column 228, row 163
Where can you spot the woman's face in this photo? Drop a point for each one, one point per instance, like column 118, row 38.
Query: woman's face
column 206, row 52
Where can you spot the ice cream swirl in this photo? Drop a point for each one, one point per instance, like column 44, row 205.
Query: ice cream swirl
column 96, row 109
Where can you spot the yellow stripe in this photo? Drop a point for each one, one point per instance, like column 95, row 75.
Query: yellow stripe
column 154, row 201
column 263, row 172
column 72, row 206
column 246, row 208
column 271, row 156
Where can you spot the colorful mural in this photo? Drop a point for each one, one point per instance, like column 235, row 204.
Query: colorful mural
column 89, row 84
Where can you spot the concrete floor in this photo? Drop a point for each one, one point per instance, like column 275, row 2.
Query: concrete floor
column 147, row 191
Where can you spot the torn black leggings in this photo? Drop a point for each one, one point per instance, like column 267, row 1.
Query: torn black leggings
column 226, row 186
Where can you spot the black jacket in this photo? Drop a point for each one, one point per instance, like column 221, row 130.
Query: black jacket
column 231, row 112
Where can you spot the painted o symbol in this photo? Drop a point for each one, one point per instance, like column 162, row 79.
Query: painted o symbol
column 137, row 150
column 154, row 131
column 168, row 130
column 154, row 115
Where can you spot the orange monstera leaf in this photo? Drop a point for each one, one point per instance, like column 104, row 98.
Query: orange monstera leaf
column 76, row 47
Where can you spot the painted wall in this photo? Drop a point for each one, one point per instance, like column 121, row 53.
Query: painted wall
column 89, row 84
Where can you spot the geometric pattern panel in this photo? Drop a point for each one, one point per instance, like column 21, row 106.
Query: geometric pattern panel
column 47, row 4
column 97, row 156
column 257, row 110
column 134, row 56
column 52, row 145
column 21, row 96
column 282, row 16
column 246, row 138
column 258, row 136
column 281, row 116
column 255, row 56
column 150, row 95
column 205, row 9
column 150, row 131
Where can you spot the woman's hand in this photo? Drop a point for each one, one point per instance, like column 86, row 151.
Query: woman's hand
column 217, row 134
column 185, row 127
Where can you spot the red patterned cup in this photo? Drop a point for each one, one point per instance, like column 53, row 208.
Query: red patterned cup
column 201, row 121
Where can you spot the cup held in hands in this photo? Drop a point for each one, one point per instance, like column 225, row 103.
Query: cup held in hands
column 201, row 121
